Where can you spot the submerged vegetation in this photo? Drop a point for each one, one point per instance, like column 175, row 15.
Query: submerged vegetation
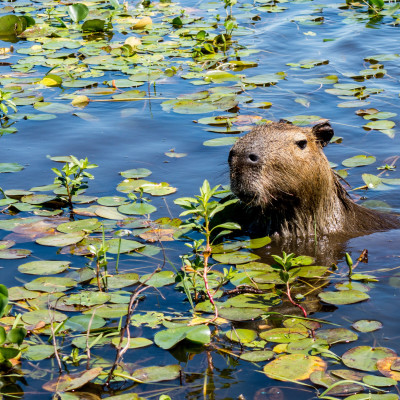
column 115, row 296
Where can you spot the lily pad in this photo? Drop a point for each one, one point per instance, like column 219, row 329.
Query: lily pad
column 358, row 161
column 343, row 297
column 364, row 358
column 257, row 356
column 44, row 267
column 61, row 239
column 157, row 374
column 241, row 335
column 51, row 284
column 294, row 367
column 10, row 167
column 365, row 325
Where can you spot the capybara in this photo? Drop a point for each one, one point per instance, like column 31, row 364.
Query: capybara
column 281, row 173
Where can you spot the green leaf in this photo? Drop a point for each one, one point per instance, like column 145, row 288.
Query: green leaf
column 78, row 12
column 358, row 161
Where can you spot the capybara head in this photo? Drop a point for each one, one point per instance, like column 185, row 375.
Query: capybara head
column 280, row 165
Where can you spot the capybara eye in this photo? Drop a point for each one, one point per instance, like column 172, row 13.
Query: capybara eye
column 302, row 144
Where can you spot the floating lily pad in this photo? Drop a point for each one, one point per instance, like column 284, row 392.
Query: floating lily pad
column 38, row 352
column 365, row 325
column 61, row 240
column 44, row 267
column 70, row 382
column 134, row 343
column 294, row 367
column 46, row 316
column 51, row 284
column 122, row 246
column 14, row 254
column 158, row 279
column 386, row 366
column 137, row 209
column 336, row 335
column 241, row 335
column 10, row 167
column 109, row 213
column 157, row 374
column 285, row 335
column 136, row 173
column 168, row 338
column 121, row 280
column 235, row 257
column 257, row 356
column 358, row 161
column 365, row 358
column 81, row 323
column 87, row 225
column 343, row 297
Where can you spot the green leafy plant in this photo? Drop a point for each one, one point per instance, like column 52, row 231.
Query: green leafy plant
column 285, row 264
column 203, row 209
column 5, row 103
column 9, row 341
column 73, row 176
column 99, row 253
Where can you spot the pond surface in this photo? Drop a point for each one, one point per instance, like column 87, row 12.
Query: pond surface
column 331, row 61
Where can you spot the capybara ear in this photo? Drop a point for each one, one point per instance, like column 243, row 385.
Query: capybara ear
column 283, row 121
column 323, row 132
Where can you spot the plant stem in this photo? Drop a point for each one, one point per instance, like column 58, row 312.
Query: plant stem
column 206, row 256
column 289, row 295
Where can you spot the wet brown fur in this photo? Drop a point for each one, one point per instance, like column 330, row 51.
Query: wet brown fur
column 293, row 189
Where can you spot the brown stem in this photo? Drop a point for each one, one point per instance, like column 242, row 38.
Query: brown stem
column 289, row 295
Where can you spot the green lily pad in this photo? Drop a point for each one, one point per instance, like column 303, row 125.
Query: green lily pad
column 38, row 352
column 379, row 381
column 365, row 325
column 109, row 213
column 364, row 358
column 81, row 323
column 44, row 267
column 285, row 335
column 157, row 374
column 51, row 284
column 358, row 161
column 121, row 280
column 240, row 313
column 136, row 173
column 168, row 338
column 158, row 279
column 241, row 335
column 10, row 167
column 134, row 343
column 336, row 335
column 379, row 125
column 343, row 297
column 112, row 201
column 121, row 246
column 257, row 356
column 14, row 254
column 111, row 311
column 235, row 257
column 61, row 240
column 87, row 225
column 137, row 209
column 38, row 198
column 294, row 367
column 87, row 298
column 46, row 316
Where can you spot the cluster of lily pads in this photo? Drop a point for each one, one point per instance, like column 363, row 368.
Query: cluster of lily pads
column 87, row 304
column 75, row 315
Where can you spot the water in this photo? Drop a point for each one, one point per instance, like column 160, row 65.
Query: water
column 137, row 134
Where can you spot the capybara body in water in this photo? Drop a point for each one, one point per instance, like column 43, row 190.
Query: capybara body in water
column 280, row 172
